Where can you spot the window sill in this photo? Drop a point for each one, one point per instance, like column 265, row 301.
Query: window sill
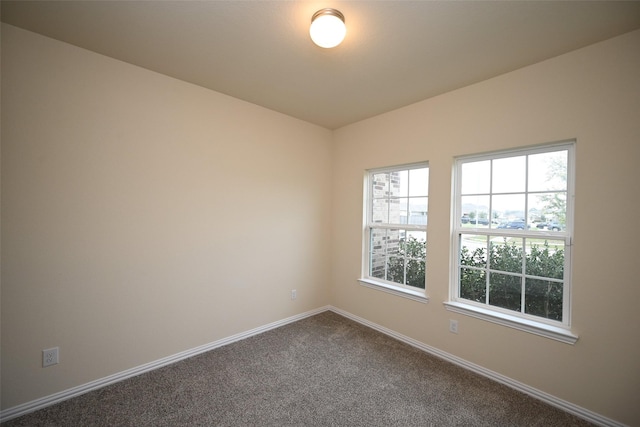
column 533, row 327
column 395, row 290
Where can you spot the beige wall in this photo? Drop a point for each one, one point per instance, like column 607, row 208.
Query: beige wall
column 592, row 95
column 143, row 216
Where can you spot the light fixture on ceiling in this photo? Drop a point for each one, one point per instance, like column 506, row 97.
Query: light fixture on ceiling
column 327, row 28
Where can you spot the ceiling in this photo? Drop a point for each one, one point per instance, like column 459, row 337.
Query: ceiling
column 395, row 52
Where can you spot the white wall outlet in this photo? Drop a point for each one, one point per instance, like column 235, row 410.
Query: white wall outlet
column 294, row 294
column 49, row 357
column 453, row 326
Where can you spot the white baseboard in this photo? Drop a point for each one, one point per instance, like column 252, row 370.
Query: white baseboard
column 538, row 394
column 37, row 404
column 52, row 399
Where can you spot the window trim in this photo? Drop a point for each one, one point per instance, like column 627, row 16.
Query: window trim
column 557, row 330
column 538, row 328
column 405, row 291
column 395, row 290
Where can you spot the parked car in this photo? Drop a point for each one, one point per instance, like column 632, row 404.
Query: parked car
column 481, row 221
column 513, row 225
column 551, row 225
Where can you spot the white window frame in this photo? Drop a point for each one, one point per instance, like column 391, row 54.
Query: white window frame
column 549, row 328
column 365, row 279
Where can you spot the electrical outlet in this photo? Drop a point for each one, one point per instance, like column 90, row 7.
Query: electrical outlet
column 49, row 357
column 453, row 326
column 294, row 294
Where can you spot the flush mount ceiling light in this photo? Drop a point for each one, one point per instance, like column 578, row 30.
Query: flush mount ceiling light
column 327, row 28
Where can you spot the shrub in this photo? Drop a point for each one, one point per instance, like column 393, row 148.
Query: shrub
column 542, row 297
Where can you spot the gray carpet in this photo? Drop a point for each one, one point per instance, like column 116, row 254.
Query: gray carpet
column 324, row 370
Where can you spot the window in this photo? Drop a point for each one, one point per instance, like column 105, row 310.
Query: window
column 396, row 205
column 512, row 238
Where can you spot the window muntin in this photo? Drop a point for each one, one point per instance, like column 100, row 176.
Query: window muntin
column 396, row 226
column 513, row 232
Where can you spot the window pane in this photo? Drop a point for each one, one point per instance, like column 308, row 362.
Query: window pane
column 509, row 175
column 380, row 185
column 505, row 291
column 473, row 285
column 548, row 211
column 393, row 242
column 418, row 182
column 395, row 269
column 473, row 251
column 380, row 212
column 418, row 210
column 415, row 245
column 399, row 211
column 400, row 183
column 377, row 266
column 543, row 298
column 395, row 252
column 377, row 259
column 509, row 209
column 548, row 171
column 415, row 249
column 475, row 177
column 506, row 255
column 475, row 210
column 545, row 259
column 415, row 273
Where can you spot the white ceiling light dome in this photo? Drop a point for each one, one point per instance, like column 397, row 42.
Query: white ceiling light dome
column 327, row 28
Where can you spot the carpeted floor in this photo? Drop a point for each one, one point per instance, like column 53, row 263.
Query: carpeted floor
column 324, row 370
